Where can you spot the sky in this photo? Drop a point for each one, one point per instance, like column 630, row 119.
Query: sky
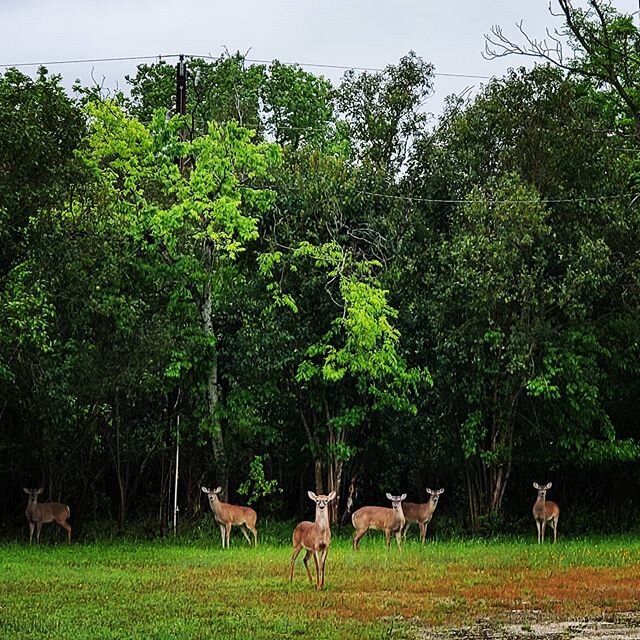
column 343, row 33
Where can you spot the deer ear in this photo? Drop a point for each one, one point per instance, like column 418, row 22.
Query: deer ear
column 536, row 485
column 332, row 495
column 441, row 491
column 204, row 490
column 39, row 491
column 429, row 491
column 312, row 495
column 389, row 496
column 218, row 490
column 549, row 485
column 26, row 490
column 403, row 496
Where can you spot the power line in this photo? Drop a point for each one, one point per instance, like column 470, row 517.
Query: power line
column 161, row 57
column 485, row 201
column 17, row 65
column 345, row 68
column 88, row 60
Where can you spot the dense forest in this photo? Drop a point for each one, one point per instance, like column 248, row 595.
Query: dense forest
column 308, row 286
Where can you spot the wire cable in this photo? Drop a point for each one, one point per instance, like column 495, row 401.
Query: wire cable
column 88, row 60
column 17, row 65
column 486, row 201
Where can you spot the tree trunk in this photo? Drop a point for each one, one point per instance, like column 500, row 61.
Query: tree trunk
column 213, row 388
column 335, row 466
column 317, row 464
column 486, row 485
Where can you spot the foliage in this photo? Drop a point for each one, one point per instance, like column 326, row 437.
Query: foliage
column 257, row 486
column 383, row 109
column 304, row 285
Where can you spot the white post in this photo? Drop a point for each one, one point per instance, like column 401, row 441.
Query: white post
column 175, row 488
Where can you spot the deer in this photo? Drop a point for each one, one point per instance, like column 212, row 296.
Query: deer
column 315, row 537
column 421, row 513
column 545, row 511
column 228, row 515
column 45, row 512
column 390, row 520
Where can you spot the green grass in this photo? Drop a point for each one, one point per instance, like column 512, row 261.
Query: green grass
column 197, row 590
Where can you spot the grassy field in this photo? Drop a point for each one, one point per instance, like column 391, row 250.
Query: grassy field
column 197, row 590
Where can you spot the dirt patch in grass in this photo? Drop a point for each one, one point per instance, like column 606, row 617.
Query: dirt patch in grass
column 533, row 625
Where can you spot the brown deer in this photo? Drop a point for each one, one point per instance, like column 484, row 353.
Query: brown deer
column 545, row 511
column 421, row 513
column 315, row 537
column 45, row 512
column 390, row 520
column 228, row 515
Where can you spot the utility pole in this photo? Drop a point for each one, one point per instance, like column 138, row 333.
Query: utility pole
column 181, row 100
column 181, row 86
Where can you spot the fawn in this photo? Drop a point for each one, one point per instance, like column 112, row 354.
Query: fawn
column 315, row 537
column 228, row 515
column 545, row 511
column 390, row 520
column 421, row 513
column 44, row 512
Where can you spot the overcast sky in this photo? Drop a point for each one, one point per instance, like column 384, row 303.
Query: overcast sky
column 351, row 33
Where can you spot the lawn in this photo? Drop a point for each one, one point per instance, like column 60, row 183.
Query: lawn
column 197, row 590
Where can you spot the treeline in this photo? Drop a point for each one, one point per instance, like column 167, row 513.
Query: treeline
column 308, row 286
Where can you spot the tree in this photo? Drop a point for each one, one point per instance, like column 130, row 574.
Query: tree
column 41, row 129
column 198, row 223
column 526, row 264
column 605, row 45
column 383, row 110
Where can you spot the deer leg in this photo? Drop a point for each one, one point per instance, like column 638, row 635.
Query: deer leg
column 538, row 527
column 543, row 526
column 306, row 564
column 387, row 535
column 296, row 553
column 356, row 539
column 399, row 538
column 423, row 531
column 228, row 533
column 65, row 525
column 38, row 529
column 404, row 530
column 554, row 523
column 245, row 533
column 32, row 526
column 323, row 559
column 316, row 559
column 222, row 535
column 254, row 531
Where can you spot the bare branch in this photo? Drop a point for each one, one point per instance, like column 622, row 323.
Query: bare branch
column 498, row 45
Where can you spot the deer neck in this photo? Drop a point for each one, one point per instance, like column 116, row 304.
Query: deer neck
column 216, row 506
column 539, row 506
column 31, row 506
column 322, row 519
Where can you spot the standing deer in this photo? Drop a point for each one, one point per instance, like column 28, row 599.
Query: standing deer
column 388, row 520
column 315, row 537
column 545, row 511
column 228, row 515
column 45, row 512
column 421, row 513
